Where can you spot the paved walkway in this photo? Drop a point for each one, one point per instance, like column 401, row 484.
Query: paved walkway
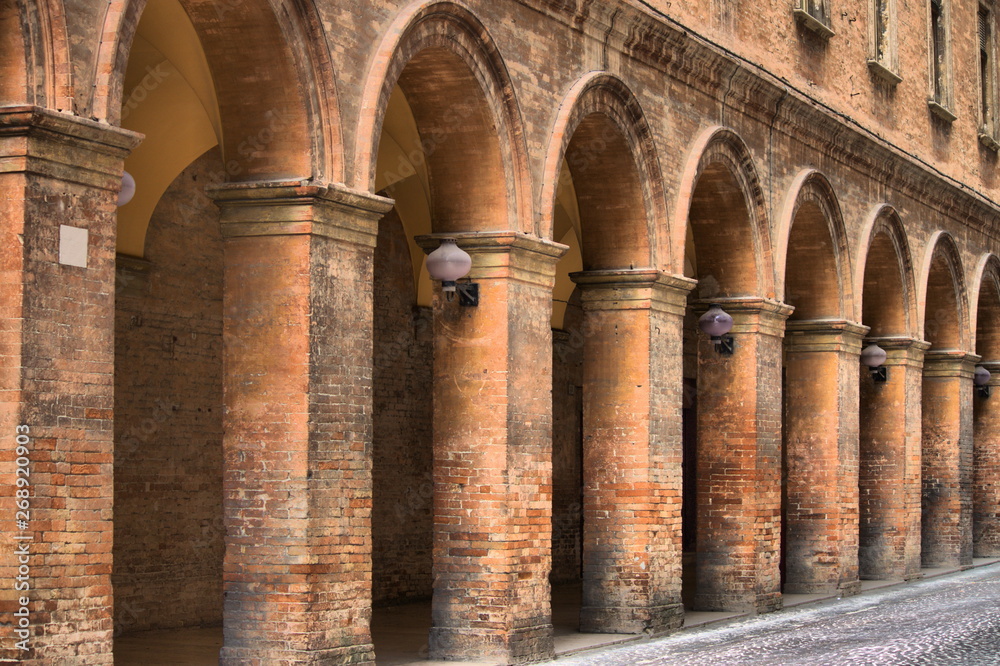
column 953, row 619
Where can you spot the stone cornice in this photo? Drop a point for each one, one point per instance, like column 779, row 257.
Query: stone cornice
column 823, row 335
column 641, row 288
column 65, row 147
column 282, row 208
column 751, row 314
column 900, row 350
column 504, row 254
column 949, row 363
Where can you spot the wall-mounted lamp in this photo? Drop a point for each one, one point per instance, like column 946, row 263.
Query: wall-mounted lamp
column 449, row 263
column 874, row 356
column 717, row 323
column 982, row 381
column 128, row 189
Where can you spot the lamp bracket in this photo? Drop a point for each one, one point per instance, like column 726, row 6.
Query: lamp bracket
column 724, row 344
column 468, row 294
column 880, row 375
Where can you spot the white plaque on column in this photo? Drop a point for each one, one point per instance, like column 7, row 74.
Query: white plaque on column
column 73, row 246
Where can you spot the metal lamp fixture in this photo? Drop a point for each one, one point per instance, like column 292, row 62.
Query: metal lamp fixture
column 717, row 323
column 448, row 264
column 982, row 381
column 874, row 356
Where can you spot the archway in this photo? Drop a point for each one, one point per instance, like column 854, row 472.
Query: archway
column 737, row 449
column 183, row 83
column 169, row 528
column 568, row 339
column 986, row 428
column 889, row 482
column 402, row 417
column 605, row 195
column 821, row 348
column 453, row 165
column 946, row 460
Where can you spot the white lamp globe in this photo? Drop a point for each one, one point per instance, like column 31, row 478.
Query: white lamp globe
column 448, row 263
column 128, row 189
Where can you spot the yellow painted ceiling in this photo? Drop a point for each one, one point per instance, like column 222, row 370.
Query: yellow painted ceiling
column 169, row 96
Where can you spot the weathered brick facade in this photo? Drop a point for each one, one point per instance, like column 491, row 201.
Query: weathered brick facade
column 168, row 416
column 250, row 406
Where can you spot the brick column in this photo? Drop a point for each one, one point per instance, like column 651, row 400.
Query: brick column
column 821, row 456
column 739, row 462
column 890, row 453
column 946, row 466
column 297, row 337
column 59, row 178
column 493, row 455
column 632, row 452
column 986, row 469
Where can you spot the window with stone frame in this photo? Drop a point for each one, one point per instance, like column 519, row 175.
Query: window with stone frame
column 987, row 77
column 883, row 60
column 939, row 47
column 814, row 15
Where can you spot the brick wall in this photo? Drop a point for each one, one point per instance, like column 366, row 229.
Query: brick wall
column 402, row 485
column 567, row 443
column 168, row 405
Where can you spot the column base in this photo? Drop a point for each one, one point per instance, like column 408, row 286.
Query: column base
column 522, row 646
column 991, row 550
column 945, row 561
column 351, row 654
column 738, row 603
column 879, row 561
column 986, row 537
column 825, row 587
column 890, row 571
column 631, row 620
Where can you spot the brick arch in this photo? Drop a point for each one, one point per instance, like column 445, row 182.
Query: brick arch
column 818, row 282
column 291, row 107
column 722, row 201
column 35, row 53
column 463, row 101
column 986, row 313
column 602, row 132
column 943, row 295
column 884, row 276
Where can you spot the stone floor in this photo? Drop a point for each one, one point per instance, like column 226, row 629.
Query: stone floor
column 940, row 620
column 400, row 632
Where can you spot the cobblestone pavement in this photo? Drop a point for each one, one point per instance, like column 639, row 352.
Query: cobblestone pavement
column 954, row 619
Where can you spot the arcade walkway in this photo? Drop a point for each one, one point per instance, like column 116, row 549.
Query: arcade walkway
column 400, row 632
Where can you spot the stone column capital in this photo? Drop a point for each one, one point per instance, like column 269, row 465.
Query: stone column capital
column 630, row 289
column 63, row 147
column 504, row 254
column 993, row 367
column 900, row 350
column 950, row 363
column 751, row 314
column 288, row 208
column 820, row 335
